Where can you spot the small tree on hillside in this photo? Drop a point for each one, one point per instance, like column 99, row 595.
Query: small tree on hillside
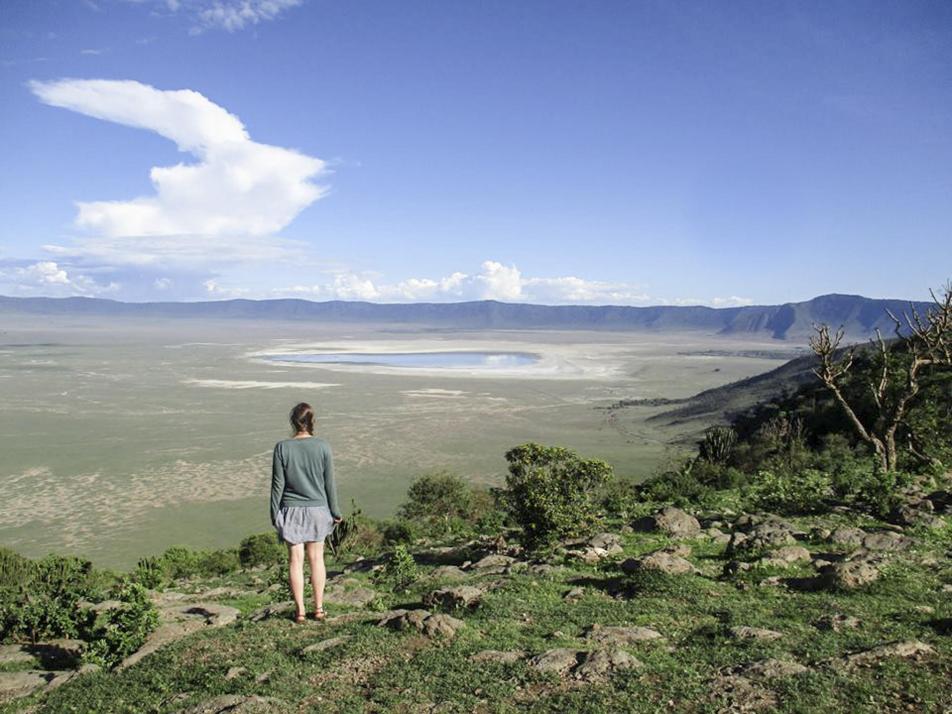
column 896, row 383
column 552, row 492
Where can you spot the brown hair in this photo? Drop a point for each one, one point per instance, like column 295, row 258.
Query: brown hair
column 302, row 418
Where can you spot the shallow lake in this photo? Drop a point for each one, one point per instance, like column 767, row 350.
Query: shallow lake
column 450, row 360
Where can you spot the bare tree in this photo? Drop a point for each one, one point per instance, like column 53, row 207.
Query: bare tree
column 928, row 342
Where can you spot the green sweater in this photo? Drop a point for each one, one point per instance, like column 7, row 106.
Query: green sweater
column 302, row 474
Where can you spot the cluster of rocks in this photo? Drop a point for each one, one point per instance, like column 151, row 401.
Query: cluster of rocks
column 430, row 624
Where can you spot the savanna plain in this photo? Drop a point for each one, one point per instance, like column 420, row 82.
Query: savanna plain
column 120, row 437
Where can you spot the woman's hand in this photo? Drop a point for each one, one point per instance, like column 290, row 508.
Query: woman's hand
column 338, row 520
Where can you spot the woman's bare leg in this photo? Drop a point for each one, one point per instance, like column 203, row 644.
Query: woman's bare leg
column 296, row 575
column 315, row 558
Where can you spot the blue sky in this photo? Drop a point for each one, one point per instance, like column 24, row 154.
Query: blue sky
column 558, row 152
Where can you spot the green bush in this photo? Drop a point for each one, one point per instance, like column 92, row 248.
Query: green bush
column 261, row 549
column 180, row 562
column 552, row 493
column 792, row 493
column 119, row 632
column 400, row 570
column 44, row 603
column 437, row 496
column 149, row 572
column 881, row 491
column 399, row 531
column 219, row 562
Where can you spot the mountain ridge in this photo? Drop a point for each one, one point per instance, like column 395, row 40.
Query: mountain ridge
column 858, row 315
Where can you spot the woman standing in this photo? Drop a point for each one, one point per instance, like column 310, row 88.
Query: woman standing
column 304, row 506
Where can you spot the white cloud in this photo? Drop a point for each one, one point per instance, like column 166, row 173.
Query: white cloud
column 232, row 15
column 162, row 283
column 238, row 188
column 46, row 277
column 495, row 281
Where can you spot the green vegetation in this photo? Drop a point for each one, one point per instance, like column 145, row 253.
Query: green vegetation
column 552, row 493
column 800, row 576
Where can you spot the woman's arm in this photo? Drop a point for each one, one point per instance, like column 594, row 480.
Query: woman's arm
column 330, row 486
column 277, row 483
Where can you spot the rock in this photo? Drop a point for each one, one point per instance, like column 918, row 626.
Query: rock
column 848, row 575
column 235, row 672
column 453, row 597
column 15, row 654
column 19, row 684
column 278, row 609
column 658, row 561
column 591, row 555
column 441, row 625
column 544, row 570
column 760, row 534
column 670, row 520
column 886, row 540
column 773, row 669
column 852, row 537
column 908, row 649
column 325, row 645
column 837, row 622
column 493, row 563
column 558, row 661
column 448, row 572
column 754, row 633
column 349, row 592
column 236, row 704
column 574, row 594
column 918, row 513
column 790, row 554
column 179, row 619
column 941, row 501
column 717, row 535
column 819, row 534
column 606, row 541
column 620, row 635
column 602, row 662
column 507, row 657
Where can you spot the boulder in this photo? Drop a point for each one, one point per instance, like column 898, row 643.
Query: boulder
column 325, row 645
column 790, row 554
column 576, row 593
column 19, row 684
column 672, row 521
column 349, row 591
column 620, row 635
column 453, row 597
column 606, row 541
column 848, row 575
column 447, row 572
column 600, row 663
column 743, row 632
column 908, row 649
column 558, row 661
column 660, row 562
column 848, row 536
column 773, row 669
column 886, row 540
column 760, row 535
column 836, row 622
column 441, row 625
column 493, row 563
column 178, row 619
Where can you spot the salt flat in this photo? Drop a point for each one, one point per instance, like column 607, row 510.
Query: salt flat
column 121, row 437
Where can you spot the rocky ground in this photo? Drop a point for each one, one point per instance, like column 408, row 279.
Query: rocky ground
column 719, row 612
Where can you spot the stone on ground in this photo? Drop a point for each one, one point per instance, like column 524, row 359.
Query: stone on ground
column 325, row 645
column 502, row 657
column 558, row 661
column 907, row 649
column 600, row 663
column 658, row 561
column 743, row 632
column 454, row 597
column 620, row 635
column 673, row 521
column 773, row 669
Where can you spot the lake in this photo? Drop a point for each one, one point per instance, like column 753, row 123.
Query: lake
column 416, row 360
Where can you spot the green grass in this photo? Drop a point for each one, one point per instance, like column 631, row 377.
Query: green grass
column 380, row 670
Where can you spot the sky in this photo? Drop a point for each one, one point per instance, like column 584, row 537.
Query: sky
column 594, row 151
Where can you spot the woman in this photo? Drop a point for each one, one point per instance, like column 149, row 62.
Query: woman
column 304, row 504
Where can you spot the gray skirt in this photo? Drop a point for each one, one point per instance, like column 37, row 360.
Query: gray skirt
column 304, row 524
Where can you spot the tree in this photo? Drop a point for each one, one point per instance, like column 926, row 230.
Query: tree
column 927, row 342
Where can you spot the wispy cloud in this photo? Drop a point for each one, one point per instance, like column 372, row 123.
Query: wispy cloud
column 47, row 277
column 239, row 188
column 228, row 15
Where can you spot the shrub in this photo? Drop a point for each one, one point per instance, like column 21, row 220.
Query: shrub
column 400, row 570
column 219, row 562
column 399, row 531
column 15, row 569
column 180, row 562
column 881, row 491
column 149, row 572
column 718, row 444
column 119, row 632
column 261, row 549
column 437, row 496
column 552, row 492
column 791, row 493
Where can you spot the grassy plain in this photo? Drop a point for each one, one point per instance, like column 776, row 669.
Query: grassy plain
column 119, row 438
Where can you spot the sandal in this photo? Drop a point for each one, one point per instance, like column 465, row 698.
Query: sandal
column 319, row 614
column 300, row 619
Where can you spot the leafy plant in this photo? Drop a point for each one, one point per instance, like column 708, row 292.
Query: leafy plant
column 792, row 493
column 261, row 549
column 718, row 444
column 552, row 492
column 400, row 570
column 120, row 631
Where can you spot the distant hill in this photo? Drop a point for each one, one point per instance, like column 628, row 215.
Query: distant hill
column 859, row 316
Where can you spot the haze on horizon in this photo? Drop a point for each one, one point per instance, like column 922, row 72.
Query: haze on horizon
column 641, row 154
